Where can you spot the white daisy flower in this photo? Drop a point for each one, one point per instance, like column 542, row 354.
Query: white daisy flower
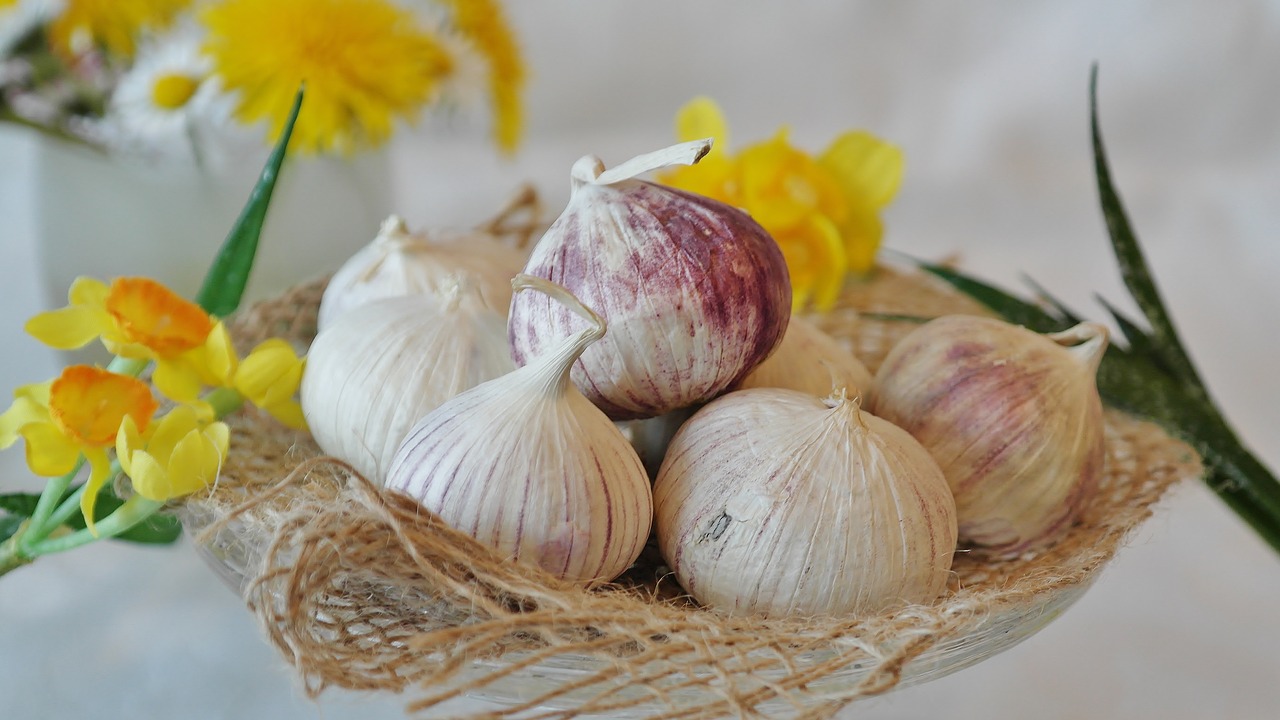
column 168, row 99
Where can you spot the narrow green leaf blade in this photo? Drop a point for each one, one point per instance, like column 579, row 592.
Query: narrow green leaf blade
column 1011, row 308
column 1137, row 338
column 229, row 274
column 9, row 525
column 1132, row 262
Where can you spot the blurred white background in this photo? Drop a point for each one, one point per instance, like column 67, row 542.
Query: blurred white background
column 989, row 101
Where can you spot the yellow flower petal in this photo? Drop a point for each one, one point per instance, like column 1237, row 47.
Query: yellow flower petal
column 177, row 380
column 713, row 177
column 816, row 259
column 289, row 413
column 216, row 359
column 867, row 169
column 862, row 232
column 128, row 439
column 270, row 374
column 49, row 452
column 99, row 474
column 88, row 291
column 21, row 413
column 149, row 478
column 701, row 118
column 193, row 465
column 69, row 328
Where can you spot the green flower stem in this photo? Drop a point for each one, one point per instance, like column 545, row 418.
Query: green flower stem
column 11, row 555
column 133, row 511
column 39, row 527
column 224, row 401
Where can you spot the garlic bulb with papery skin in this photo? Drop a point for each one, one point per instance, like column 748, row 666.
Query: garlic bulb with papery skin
column 528, row 466
column 813, row 362
column 379, row 368
column 695, row 292
column 1013, row 417
column 398, row 262
column 780, row 503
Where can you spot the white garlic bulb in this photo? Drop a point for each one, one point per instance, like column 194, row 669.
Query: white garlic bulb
column 695, row 292
column 813, row 362
column 398, row 262
column 379, row 368
column 527, row 465
column 1013, row 417
column 780, row 503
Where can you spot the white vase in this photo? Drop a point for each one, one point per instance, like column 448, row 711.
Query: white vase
column 108, row 216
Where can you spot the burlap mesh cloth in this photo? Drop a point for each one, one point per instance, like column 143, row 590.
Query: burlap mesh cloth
column 363, row 589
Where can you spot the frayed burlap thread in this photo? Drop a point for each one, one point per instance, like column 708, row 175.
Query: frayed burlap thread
column 363, row 589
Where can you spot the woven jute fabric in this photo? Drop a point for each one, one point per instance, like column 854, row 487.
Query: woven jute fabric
column 361, row 588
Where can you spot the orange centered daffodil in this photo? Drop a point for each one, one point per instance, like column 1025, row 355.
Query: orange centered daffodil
column 78, row 413
column 822, row 210
column 136, row 318
column 179, row 455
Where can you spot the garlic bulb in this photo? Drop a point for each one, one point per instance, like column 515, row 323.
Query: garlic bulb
column 695, row 292
column 1012, row 417
column 811, row 361
column 529, row 466
column 380, row 367
column 776, row 502
column 398, row 262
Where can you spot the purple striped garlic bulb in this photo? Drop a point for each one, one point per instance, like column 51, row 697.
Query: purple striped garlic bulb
column 695, row 292
column 527, row 465
column 1013, row 417
column 776, row 502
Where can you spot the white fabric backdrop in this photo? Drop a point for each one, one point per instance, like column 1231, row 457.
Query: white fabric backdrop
column 989, row 102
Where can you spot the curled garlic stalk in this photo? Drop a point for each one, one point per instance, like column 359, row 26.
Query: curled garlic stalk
column 527, row 465
column 376, row 370
column 1013, row 417
column 696, row 293
column 776, row 502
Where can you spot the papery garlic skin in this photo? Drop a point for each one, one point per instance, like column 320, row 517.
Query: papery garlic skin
column 813, row 362
column 1013, row 417
column 399, row 263
column 527, row 465
column 779, row 503
column 379, row 368
column 695, row 292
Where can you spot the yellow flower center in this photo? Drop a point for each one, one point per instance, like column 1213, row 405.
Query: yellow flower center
column 6, row 3
column 154, row 316
column 172, row 91
column 87, row 404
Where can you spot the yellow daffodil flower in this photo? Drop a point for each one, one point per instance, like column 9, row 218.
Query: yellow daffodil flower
column 138, row 318
column 79, row 413
column 179, row 455
column 365, row 63
column 269, row 378
column 823, row 210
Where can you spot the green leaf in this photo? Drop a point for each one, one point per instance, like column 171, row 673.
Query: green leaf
column 225, row 282
column 9, row 525
column 1140, row 343
column 1133, row 265
column 20, row 504
column 155, row 530
column 1011, row 308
